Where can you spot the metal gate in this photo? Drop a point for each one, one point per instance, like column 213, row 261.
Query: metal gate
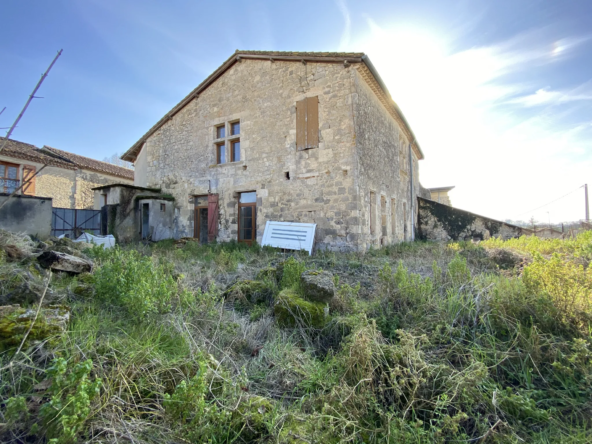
column 73, row 223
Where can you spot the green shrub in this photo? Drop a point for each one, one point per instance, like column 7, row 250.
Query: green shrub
column 567, row 284
column 291, row 270
column 71, row 392
column 135, row 282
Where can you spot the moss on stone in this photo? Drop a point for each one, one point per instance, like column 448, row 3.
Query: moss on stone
column 254, row 292
column 292, row 311
column 453, row 220
column 269, row 274
column 15, row 321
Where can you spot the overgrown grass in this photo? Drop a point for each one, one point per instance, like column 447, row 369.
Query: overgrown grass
column 426, row 343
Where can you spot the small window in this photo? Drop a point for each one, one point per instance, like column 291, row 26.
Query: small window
column 235, row 151
column 234, row 129
column 220, row 132
column 220, row 153
column 250, row 197
column 8, row 177
column 200, row 201
column 287, row 175
column 162, row 207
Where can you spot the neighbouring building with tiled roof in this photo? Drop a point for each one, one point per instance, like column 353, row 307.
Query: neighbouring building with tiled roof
column 283, row 136
column 67, row 178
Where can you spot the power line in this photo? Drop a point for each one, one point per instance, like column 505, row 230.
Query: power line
column 547, row 204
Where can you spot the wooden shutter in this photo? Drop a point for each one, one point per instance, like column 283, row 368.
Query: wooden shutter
column 312, row 122
column 213, row 210
column 307, row 123
column 28, row 173
column 301, row 125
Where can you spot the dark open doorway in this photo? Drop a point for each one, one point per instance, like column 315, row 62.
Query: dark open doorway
column 145, row 221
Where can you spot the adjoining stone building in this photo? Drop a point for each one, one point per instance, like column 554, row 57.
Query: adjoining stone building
column 440, row 195
column 68, row 178
column 286, row 136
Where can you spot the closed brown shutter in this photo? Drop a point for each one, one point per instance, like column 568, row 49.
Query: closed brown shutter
column 312, row 122
column 28, row 173
column 307, row 123
column 213, row 210
column 301, row 125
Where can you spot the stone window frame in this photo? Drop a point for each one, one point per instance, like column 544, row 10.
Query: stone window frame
column 372, row 208
column 227, row 141
column 383, row 216
column 394, row 216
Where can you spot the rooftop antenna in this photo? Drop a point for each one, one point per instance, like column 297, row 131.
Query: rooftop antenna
column 31, row 97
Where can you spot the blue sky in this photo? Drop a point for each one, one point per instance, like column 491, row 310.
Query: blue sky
column 499, row 93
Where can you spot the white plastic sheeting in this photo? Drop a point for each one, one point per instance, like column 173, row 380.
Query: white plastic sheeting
column 289, row 235
column 106, row 241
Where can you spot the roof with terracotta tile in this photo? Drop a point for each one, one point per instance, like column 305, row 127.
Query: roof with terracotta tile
column 61, row 159
column 91, row 164
column 301, row 53
column 26, row 151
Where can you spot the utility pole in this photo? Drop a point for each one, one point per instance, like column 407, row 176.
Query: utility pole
column 587, row 205
column 31, row 97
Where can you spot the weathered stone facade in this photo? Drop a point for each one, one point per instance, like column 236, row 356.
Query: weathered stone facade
column 440, row 222
column 122, row 212
column 68, row 184
column 362, row 149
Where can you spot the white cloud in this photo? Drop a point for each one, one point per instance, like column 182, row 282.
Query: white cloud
column 545, row 96
column 346, row 35
column 502, row 161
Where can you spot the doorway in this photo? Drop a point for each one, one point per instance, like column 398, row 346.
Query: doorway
column 145, row 221
column 247, row 217
column 200, row 229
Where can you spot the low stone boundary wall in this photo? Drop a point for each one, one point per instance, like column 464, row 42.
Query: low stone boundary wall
column 26, row 214
column 441, row 222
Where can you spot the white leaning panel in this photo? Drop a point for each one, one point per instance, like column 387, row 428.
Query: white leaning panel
column 289, row 235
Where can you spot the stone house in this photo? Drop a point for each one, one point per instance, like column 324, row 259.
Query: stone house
column 440, row 195
column 286, row 136
column 68, row 178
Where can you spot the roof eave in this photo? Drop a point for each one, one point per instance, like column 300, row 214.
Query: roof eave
column 132, row 154
column 374, row 72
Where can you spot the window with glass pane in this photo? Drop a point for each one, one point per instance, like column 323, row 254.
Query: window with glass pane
column 220, row 132
column 246, row 222
column 235, row 151
column 8, row 177
column 250, row 197
column 247, row 210
column 221, row 153
column 201, row 201
column 235, row 128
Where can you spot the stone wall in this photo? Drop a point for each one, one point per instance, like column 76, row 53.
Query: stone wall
column 181, row 160
column 26, row 214
column 122, row 213
column 68, row 188
column 441, row 222
column 383, row 169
